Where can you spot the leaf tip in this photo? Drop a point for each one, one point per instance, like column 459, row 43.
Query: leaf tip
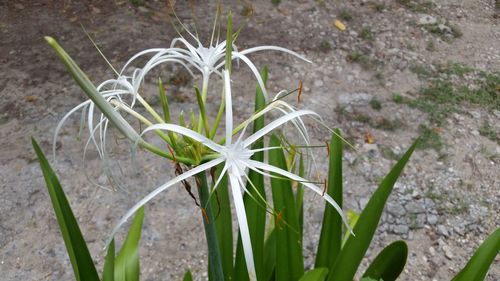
column 50, row 40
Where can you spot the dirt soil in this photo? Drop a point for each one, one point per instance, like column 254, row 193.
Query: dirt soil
column 391, row 76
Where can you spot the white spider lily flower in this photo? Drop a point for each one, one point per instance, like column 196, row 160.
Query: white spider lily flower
column 236, row 156
column 97, row 97
column 120, row 88
column 206, row 60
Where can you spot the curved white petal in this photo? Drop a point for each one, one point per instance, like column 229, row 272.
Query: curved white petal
column 239, row 206
column 276, row 123
column 61, row 123
column 274, row 48
column 147, row 198
column 186, row 132
column 271, row 168
column 190, row 47
column 252, row 67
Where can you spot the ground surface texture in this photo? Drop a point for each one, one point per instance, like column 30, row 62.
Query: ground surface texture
column 401, row 69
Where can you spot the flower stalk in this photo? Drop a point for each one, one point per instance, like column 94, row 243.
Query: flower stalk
column 214, row 258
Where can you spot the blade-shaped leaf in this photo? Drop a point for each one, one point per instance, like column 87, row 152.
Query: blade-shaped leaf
column 270, row 257
column 91, row 91
column 83, row 266
column 187, row 276
column 355, row 248
column 352, row 217
column 215, row 270
column 317, row 274
column 478, row 265
column 389, row 263
column 256, row 213
column 289, row 260
column 330, row 240
column 223, row 223
column 127, row 261
column 108, row 273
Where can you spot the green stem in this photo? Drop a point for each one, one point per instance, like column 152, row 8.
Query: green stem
column 142, row 119
column 204, row 92
column 153, row 149
column 217, row 119
column 214, row 258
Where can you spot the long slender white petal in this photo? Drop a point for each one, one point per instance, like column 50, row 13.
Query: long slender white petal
column 186, row 43
column 147, row 198
column 256, row 73
column 270, row 168
column 61, row 123
column 153, row 50
column 275, row 124
column 242, row 221
column 186, row 132
column 273, row 48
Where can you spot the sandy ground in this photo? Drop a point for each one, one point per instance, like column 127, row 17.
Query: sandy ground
column 444, row 205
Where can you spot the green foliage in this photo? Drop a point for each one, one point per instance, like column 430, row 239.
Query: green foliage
column 420, row 6
column 375, row 104
column 83, row 265
column 355, row 247
column 366, row 33
column 137, row 2
column 359, row 57
column 223, row 223
column 346, row 15
column 389, row 263
column 448, row 88
column 187, row 276
column 289, row 260
column 124, row 267
column 429, row 138
column 325, row 46
column 126, row 264
column 480, row 262
column 108, row 273
column 488, row 131
column 317, row 274
column 330, row 240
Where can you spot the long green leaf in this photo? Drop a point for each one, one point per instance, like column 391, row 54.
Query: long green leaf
column 187, row 276
column 317, row 274
column 91, row 91
column 127, row 261
column 83, row 266
column 108, row 273
column 256, row 213
column 355, row 248
column 289, row 260
column 330, row 240
column 229, row 42
column 270, row 257
column 389, row 263
column 215, row 271
column 478, row 265
column 223, row 223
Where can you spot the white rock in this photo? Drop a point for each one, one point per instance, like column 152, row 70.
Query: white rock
column 318, row 83
column 444, row 28
column 432, row 251
column 427, row 19
column 447, row 252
